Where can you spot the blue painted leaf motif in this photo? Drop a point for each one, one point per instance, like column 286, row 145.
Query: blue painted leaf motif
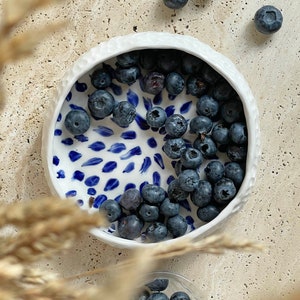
column 142, row 123
column 97, row 146
column 170, row 179
column 117, row 148
column 129, row 168
column 185, row 204
column 92, row 180
column 80, row 86
column 156, row 178
column 112, row 228
column 81, row 138
column 99, row 200
column 132, row 152
column 170, row 110
column 59, row 117
column 74, row 156
column 152, row 142
column 116, row 89
column 190, row 221
column 118, row 198
column 145, row 165
column 71, row 193
column 91, row 191
column 67, row 141
column 55, row 160
column 92, row 162
column 69, row 97
column 111, row 184
column 57, row 132
column 185, row 107
column 78, row 175
column 159, row 160
column 129, row 186
column 132, row 98
column 60, row 174
column 157, row 99
column 76, row 107
column 147, row 103
column 104, row 131
column 128, row 135
column 109, row 167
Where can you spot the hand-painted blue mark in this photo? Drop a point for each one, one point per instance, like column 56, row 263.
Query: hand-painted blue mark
column 162, row 130
column 129, row 186
column 59, row 117
column 152, row 142
column 190, row 221
column 80, row 202
column 109, row 167
column 97, row 146
column 170, row 110
column 156, row 178
column 76, row 107
column 104, row 131
column 71, row 193
column 157, row 99
column 99, row 200
column 159, row 160
column 185, row 107
column 171, row 97
column 129, row 168
column 78, row 175
column 74, row 155
column 128, row 135
column 170, row 179
column 67, row 141
column 142, row 185
column 117, row 148
column 69, row 96
column 92, row 162
column 185, row 204
column 132, row 152
column 111, row 184
column 173, row 163
column 80, row 86
column 142, row 123
column 118, row 198
column 81, row 138
column 116, row 89
column 147, row 103
column 55, row 160
column 145, row 165
column 91, row 191
column 188, row 143
column 57, row 132
column 92, row 180
column 111, row 228
column 60, row 174
column 132, row 98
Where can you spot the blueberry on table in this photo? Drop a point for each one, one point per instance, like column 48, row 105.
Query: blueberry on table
column 177, row 226
column 174, row 147
column 156, row 117
column 158, row 284
column 111, row 209
column 268, row 19
column 101, row 104
column 77, row 122
column 129, row 227
column 180, row 296
column 158, row 296
column 202, row 195
column 169, row 208
column 234, row 172
column 100, row 79
column 191, row 158
column 148, row 213
column 124, row 113
column 200, row 125
column 214, row 171
column 128, row 59
column 196, row 86
column 131, row 199
column 176, row 125
column 188, row 180
column 156, row 232
column 224, row 191
column 153, row 83
column 175, row 4
column 238, row 133
column 174, row 83
column 152, row 193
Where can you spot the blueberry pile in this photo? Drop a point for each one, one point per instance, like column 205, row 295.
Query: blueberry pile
column 209, row 169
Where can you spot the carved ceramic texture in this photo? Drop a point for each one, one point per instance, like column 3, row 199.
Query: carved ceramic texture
column 78, row 74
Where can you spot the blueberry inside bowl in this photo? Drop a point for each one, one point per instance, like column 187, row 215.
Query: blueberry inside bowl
column 158, row 131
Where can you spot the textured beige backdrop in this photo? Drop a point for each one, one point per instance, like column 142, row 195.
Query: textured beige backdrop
column 271, row 65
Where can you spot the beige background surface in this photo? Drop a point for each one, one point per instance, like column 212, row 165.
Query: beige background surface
column 271, row 65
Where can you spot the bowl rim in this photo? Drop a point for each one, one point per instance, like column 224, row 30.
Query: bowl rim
column 160, row 40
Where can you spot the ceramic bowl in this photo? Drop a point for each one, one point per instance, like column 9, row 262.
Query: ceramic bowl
column 108, row 159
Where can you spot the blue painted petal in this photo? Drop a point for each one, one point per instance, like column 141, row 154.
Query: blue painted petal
column 152, row 142
column 91, row 191
column 109, row 167
column 80, row 86
column 190, row 221
column 81, row 138
column 185, row 204
column 117, row 148
column 145, row 165
column 97, row 146
column 92, row 180
column 129, row 168
column 111, row 184
column 134, row 151
column 78, row 175
column 60, row 174
column 170, row 179
column 74, row 156
column 159, row 160
column 129, row 186
column 116, row 89
column 67, row 141
column 142, row 123
column 170, row 110
column 59, row 117
column 76, row 107
column 92, row 161
column 55, row 160
column 185, row 107
column 132, row 98
column 157, row 99
column 57, row 132
column 71, row 193
column 104, row 131
column 128, row 135
column 118, row 198
column 156, row 178
column 69, row 96
column 147, row 103
column 99, row 200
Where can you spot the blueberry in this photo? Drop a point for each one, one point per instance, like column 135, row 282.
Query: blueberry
column 190, row 64
column 175, row 192
column 158, row 296
column 232, row 111
column 206, row 146
column 128, row 59
column 234, row 172
column 222, row 90
column 224, row 191
column 124, row 113
column 196, row 86
column 191, row 158
column 174, row 147
column 153, row 194
column 202, row 195
column 207, row 106
column 238, row 133
column 131, row 199
column 177, row 225
column 178, row 167
column 237, row 153
column 127, row 75
column 168, row 208
column 209, row 74
column 101, row 104
column 148, row 58
column 175, row 4
column 200, row 125
column 188, row 180
column 214, row 171
column 180, row 296
column 77, row 122
column 100, row 79
column 268, row 19
column 129, row 227
column 112, row 210
column 220, row 134
column 156, row 117
column 153, row 83
column 168, row 60
column 176, row 125
column 156, row 232
column 158, row 285
column 143, row 295
column 148, row 213
column 207, row 213
column 174, row 83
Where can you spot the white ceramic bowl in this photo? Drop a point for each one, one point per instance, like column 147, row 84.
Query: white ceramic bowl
column 84, row 167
